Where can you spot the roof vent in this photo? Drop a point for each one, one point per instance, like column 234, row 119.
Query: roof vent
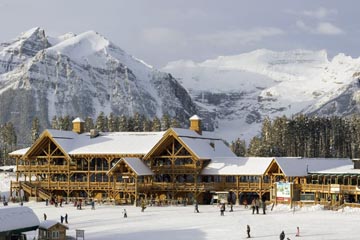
column 94, row 133
column 356, row 162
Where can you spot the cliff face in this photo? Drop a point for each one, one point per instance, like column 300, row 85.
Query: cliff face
column 82, row 76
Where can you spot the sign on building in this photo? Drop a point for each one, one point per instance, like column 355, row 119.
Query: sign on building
column 283, row 191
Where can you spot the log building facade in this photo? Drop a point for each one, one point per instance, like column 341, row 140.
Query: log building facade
column 174, row 165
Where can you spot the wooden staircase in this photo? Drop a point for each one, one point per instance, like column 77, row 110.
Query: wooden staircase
column 34, row 191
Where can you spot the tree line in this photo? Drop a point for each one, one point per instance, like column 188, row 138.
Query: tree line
column 305, row 136
column 301, row 135
column 113, row 123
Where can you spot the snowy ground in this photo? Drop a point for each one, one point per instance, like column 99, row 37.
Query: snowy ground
column 179, row 222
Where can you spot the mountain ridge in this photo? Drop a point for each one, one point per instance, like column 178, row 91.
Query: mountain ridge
column 83, row 75
column 268, row 83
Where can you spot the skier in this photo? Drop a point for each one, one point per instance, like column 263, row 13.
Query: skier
column 196, row 207
column 45, row 216
column 253, row 206
column 248, row 231
column 125, row 214
column 264, row 207
column 282, row 235
column 257, row 205
column 61, row 219
column 297, row 232
column 66, row 218
column 143, row 206
column 222, row 209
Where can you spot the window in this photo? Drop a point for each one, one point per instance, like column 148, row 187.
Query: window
column 55, row 234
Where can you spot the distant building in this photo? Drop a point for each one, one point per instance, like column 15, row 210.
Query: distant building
column 14, row 221
column 174, row 165
column 51, row 230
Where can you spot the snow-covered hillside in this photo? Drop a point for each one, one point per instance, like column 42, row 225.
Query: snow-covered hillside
column 243, row 89
column 82, row 75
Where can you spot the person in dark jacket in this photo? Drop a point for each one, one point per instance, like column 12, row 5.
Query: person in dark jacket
column 66, row 218
column 248, row 231
column 222, row 209
column 282, row 235
column 196, row 207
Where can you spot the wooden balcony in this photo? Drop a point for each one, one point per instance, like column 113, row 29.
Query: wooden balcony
column 327, row 188
column 45, row 168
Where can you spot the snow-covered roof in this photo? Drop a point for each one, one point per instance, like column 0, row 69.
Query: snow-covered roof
column 208, row 148
column 19, row 151
column 19, row 218
column 49, row 223
column 106, row 143
column 237, row 166
column 183, row 132
column 195, row 117
column 139, row 167
column 302, row 166
column 78, row 119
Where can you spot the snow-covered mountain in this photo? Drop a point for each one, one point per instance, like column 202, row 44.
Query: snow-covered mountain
column 82, row 75
column 243, row 89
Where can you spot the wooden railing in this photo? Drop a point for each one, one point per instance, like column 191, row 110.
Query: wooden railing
column 45, row 168
column 327, row 188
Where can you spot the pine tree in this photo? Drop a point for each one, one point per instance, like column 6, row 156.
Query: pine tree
column 156, row 125
column 165, row 122
column 100, row 122
column 123, row 124
column 89, row 124
column 35, row 129
column 174, row 123
column 239, row 148
column 54, row 123
column 112, row 123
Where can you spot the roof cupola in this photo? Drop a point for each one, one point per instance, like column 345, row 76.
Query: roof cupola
column 78, row 125
column 195, row 124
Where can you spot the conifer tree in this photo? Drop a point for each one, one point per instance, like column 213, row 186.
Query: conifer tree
column 156, row 125
column 165, row 122
column 100, row 122
column 123, row 124
column 89, row 124
column 54, row 123
column 35, row 129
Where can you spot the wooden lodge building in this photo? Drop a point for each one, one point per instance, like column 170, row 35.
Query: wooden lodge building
column 176, row 165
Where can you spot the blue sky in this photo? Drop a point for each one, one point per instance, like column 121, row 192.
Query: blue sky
column 159, row 31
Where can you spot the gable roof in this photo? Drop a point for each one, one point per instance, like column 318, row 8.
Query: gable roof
column 108, row 142
column 297, row 166
column 136, row 164
column 18, row 219
column 237, row 166
column 47, row 224
column 203, row 146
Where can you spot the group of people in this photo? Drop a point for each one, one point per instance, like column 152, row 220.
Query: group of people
column 282, row 234
column 256, row 204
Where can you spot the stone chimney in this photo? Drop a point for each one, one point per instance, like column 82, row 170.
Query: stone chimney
column 195, row 124
column 78, row 125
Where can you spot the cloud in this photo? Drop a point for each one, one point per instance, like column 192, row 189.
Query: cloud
column 239, row 37
column 320, row 13
column 324, row 28
column 159, row 36
column 328, row 28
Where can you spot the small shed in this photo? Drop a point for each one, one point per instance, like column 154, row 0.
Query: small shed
column 51, row 229
column 16, row 220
